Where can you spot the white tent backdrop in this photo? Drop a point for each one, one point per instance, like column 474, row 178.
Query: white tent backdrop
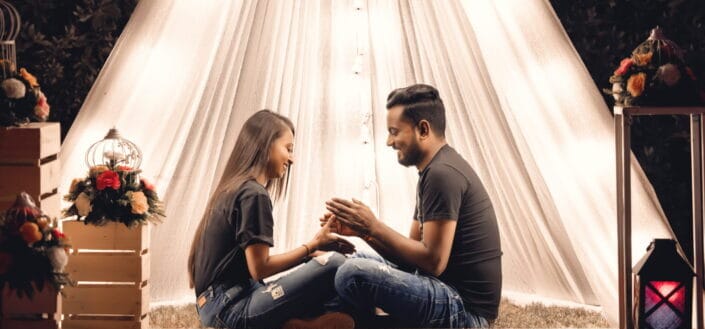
column 521, row 108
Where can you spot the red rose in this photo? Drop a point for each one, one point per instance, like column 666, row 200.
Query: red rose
column 147, row 185
column 57, row 234
column 624, row 66
column 109, row 179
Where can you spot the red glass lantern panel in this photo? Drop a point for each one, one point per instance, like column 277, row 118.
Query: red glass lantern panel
column 664, row 304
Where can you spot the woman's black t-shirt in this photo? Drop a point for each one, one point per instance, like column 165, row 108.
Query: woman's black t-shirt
column 237, row 220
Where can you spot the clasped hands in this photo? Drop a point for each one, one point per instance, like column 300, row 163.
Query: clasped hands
column 352, row 218
column 349, row 218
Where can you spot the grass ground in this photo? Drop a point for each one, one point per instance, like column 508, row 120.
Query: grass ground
column 510, row 316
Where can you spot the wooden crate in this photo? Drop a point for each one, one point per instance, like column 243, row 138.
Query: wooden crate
column 29, row 162
column 43, row 311
column 111, row 265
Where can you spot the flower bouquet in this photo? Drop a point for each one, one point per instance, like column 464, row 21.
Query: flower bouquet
column 656, row 74
column 33, row 251
column 21, row 99
column 114, row 193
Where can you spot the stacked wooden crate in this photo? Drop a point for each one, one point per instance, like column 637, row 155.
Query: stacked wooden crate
column 42, row 311
column 111, row 265
column 29, row 161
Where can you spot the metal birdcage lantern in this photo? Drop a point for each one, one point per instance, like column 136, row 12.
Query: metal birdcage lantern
column 10, row 23
column 113, row 151
column 663, row 288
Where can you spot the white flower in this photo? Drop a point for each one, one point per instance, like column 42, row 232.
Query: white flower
column 14, row 88
column 617, row 91
column 669, row 74
column 58, row 257
column 83, row 204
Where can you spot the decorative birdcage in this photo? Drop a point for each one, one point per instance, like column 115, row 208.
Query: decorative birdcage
column 10, row 23
column 113, row 151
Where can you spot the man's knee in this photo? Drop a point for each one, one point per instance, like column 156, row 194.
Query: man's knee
column 354, row 272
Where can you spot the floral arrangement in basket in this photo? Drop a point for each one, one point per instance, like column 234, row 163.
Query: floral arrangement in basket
column 656, row 74
column 113, row 190
column 33, row 252
column 21, row 99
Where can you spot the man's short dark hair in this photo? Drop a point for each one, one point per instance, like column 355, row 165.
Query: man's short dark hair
column 420, row 102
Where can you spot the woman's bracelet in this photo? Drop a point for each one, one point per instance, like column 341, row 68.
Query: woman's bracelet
column 306, row 257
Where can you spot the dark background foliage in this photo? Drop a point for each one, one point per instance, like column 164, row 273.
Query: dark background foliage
column 605, row 32
column 66, row 42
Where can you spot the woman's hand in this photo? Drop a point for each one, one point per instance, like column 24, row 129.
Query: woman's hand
column 327, row 240
column 337, row 226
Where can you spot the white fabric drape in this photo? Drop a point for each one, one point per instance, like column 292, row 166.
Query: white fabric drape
column 521, row 108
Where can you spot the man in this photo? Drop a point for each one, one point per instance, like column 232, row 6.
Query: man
column 454, row 242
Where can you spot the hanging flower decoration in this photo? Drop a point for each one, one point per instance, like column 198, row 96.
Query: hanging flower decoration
column 21, row 99
column 656, row 74
column 33, row 252
column 113, row 190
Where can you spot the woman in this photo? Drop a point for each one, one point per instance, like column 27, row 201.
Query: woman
column 230, row 252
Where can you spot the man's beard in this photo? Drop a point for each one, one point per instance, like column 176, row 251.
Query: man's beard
column 412, row 156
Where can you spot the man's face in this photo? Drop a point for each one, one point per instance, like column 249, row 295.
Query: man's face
column 402, row 137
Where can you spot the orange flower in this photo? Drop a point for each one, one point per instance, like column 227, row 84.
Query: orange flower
column 29, row 77
column 636, row 84
column 138, row 202
column 30, row 232
column 643, row 59
column 42, row 222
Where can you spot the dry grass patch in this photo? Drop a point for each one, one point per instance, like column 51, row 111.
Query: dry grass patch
column 510, row 316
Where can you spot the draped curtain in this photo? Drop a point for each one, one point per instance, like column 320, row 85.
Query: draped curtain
column 520, row 106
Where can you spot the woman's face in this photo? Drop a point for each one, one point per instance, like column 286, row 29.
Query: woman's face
column 281, row 155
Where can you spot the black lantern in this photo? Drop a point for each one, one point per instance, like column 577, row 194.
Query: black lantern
column 663, row 288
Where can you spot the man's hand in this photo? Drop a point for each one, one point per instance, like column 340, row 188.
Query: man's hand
column 336, row 226
column 355, row 215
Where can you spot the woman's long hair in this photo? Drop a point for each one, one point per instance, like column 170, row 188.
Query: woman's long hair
column 248, row 160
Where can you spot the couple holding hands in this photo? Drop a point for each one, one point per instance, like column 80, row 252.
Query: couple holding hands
column 446, row 273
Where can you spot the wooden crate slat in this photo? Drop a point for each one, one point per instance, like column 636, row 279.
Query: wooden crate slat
column 51, row 205
column 35, row 180
column 106, row 299
column 112, row 236
column 29, row 143
column 108, row 267
column 28, row 324
column 46, row 301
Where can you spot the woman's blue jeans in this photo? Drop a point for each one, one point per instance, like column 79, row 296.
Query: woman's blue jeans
column 300, row 293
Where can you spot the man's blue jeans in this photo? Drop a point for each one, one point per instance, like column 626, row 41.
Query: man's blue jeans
column 367, row 281
column 300, row 293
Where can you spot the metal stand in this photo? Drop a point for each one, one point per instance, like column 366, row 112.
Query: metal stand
column 622, row 124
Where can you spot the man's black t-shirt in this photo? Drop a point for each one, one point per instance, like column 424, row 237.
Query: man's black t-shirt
column 449, row 188
column 237, row 220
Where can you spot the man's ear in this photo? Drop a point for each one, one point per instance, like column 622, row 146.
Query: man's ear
column 424, row 128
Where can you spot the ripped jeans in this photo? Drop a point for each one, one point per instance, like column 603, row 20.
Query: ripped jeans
column 300, row 293
column 413, row 300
